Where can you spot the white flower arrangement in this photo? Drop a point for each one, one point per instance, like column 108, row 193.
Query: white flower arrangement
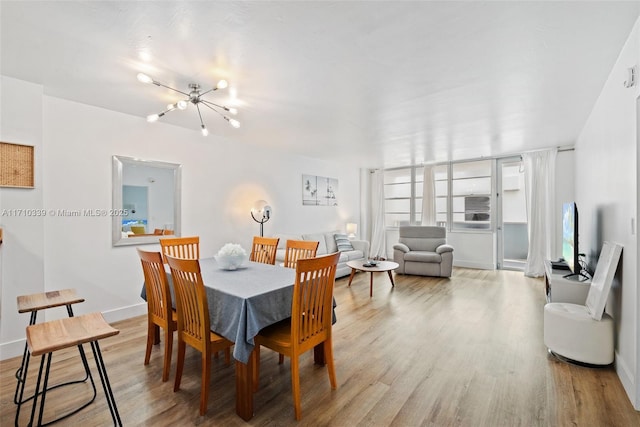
column 231, row 256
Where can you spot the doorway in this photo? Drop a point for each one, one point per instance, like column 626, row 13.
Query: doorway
column 511, row 222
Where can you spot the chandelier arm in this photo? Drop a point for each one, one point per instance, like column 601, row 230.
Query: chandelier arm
column 200, row 115
column 163, row 113
column 210, row 90
column 206, row 104
column 169, row 87
column 215, row 105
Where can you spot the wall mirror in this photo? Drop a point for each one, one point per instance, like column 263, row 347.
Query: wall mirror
column 146, row 200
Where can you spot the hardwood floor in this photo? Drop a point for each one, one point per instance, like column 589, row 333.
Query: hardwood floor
column 461, row 352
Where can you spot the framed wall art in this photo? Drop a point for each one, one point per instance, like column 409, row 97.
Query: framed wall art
column 319, row 191
column 16, row 165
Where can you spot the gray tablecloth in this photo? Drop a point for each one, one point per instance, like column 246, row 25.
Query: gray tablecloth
column 242, row 302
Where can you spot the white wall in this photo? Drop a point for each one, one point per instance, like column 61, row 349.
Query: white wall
column 220, row 182
column 23, row 246
column 607, row 198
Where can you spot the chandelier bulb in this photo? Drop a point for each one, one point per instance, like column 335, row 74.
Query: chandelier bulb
column 144, row 78
column 205, row 131
column 234, row 123
column 222, row 84
column 153, row 118
column 233, row 111
column 181, row 105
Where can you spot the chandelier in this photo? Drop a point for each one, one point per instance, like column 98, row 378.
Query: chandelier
column 195, row 97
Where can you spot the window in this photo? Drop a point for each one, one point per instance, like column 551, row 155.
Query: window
column 462, row 195
column 441, row 183
column 471, row 195
column 403, row 196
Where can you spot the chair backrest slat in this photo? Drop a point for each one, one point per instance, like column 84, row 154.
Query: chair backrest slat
column 263, row 249
column 181, row 247
column 299, row 249
column 156, row 285
column 191, row 301
column 312, row 303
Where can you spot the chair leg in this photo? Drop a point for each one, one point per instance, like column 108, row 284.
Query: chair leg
column 255, row 360
column 151, row 336
column 280, row 359
column 204, row 385
column 227, row 356
column 179, row 364
column 168, row 348
column 295, row 386
column 328, row 358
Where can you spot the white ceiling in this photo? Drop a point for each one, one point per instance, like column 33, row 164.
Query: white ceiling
column 401, row 82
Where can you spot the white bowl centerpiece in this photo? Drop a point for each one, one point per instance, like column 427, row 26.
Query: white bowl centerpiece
column 231, row 256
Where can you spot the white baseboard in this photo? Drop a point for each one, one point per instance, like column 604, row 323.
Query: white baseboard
column 472, row 264
column 12, row 349
column 627, row 380
column 124, row 313
column 15, row 348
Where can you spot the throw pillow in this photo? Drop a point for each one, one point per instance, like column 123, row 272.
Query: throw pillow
column 343, row 243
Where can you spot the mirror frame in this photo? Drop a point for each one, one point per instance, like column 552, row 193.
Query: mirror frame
column 118, row 163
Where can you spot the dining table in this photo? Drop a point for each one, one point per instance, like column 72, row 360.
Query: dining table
column 241, row 303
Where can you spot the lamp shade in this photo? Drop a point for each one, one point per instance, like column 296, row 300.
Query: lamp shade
column 261, row 209
column 352, row 229
column 261, row 212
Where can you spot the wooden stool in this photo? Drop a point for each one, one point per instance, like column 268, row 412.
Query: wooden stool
column 45, row 338
column 32, row 304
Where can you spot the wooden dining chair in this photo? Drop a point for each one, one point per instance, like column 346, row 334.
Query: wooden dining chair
column 295, row 250
column 299, row 249
column 309, row 324
column 160, row 312
column 180, row 247
column 193, row 322
column 264, row 249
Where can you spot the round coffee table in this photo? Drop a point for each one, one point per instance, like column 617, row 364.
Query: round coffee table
column 378, row 268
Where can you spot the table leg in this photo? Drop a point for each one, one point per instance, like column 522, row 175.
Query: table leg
column 244, row 389
column 371, row 285
column 353, row 273
column 391, row 278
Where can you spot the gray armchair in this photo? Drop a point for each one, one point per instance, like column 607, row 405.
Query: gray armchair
column 423, row 251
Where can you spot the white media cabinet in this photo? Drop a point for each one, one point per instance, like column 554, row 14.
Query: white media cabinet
column 572, row 289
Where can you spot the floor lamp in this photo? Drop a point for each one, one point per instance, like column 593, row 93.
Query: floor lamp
column 261, row 213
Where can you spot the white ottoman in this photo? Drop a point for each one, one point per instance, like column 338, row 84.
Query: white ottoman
column 569, row 331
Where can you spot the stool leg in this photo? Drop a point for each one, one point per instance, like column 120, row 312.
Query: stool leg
column 21, row 375
column 87, row 371
column 37, row 392
column 22, row 381
column 102, row 370
column 44, row 388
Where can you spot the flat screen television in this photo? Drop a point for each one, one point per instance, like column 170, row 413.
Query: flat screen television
column 570, row 237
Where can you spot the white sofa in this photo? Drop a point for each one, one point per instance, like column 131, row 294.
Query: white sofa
column 327, row 245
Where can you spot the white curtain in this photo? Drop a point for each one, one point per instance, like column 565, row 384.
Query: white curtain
column 540, row 177
column 428, row 197
column 378, row 241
